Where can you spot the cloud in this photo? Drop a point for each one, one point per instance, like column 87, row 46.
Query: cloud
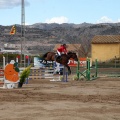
column 104, row 19
column 58, row 20
column 118, row 20
column 8, row 4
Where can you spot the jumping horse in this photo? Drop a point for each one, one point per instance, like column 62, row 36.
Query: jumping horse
column 51, row 56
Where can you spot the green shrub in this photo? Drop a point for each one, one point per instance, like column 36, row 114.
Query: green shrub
column 24, row 74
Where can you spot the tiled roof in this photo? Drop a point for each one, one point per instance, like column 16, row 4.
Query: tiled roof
column 106, row 39
column 70, row 47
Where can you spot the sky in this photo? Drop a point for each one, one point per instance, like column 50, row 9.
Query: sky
column 60, row 11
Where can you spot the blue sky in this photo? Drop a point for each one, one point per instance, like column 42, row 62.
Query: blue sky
column 60, row 11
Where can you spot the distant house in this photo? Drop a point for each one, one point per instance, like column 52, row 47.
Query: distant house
column 11, row 46
column 77, row 48
column 10, row 51
column 105, row 47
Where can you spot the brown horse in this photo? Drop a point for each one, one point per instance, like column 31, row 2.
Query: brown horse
column 51, row 56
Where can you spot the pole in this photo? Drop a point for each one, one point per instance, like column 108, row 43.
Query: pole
column 78, row 70
column 88, row 69
column 96, row 67
column 22, row 29
column 3, row 62
column 119, row 52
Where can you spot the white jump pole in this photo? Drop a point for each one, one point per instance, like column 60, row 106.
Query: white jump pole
column 3, row 62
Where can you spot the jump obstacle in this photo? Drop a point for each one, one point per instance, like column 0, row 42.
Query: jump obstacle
column 49, row 73
column 36, row 73
column 87, row 73
column 9, row 74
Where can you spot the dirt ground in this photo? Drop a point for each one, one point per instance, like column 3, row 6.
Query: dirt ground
column 73, row 100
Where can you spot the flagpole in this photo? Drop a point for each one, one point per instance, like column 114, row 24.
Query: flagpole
column 22, row 30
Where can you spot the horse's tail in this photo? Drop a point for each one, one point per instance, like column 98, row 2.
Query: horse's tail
column 43, row 57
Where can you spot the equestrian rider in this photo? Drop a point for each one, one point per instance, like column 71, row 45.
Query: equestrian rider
column 62, row 49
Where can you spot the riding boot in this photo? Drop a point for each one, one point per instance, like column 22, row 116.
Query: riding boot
column 58, row 57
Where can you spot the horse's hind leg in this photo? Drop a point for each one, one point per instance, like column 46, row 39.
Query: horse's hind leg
column 41, row 61
column 46, row 61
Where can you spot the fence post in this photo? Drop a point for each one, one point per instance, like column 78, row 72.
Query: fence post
column 96, row 67
column 78, row 70
column 88, row 69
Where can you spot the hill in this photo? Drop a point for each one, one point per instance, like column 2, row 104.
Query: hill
column 42, row 37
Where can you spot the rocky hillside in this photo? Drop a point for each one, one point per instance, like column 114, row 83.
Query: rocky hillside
column 41, row 37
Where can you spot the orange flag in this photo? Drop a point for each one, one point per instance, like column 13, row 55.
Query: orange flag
column 13, row 30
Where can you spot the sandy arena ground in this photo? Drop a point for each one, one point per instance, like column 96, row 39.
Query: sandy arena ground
column 73, row 100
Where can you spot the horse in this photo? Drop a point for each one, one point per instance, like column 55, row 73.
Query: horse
column 51, row 56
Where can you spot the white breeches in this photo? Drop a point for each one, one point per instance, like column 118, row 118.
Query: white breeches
column 59, row 53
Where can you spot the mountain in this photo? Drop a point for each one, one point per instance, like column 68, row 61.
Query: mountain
column 41, row 37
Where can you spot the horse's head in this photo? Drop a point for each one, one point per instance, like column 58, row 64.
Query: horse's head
column 72, row 55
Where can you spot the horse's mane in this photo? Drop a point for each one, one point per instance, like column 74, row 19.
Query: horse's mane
column 70, row 52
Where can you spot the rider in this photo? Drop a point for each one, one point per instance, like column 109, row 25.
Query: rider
column 62, row 50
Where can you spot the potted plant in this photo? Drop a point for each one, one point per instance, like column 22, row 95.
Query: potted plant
column 24, row 74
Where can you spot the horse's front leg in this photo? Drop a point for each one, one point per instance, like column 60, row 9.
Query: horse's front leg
column 69, row 70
